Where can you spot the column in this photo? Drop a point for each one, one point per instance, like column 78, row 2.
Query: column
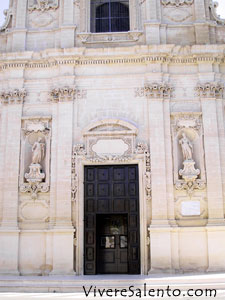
column 152, row 24
column 61, row 185
column 10, row 158
column 68, row 27
column 159, row 230
column 19, row 33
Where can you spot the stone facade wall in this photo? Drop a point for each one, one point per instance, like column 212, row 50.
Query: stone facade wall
column 69, row 98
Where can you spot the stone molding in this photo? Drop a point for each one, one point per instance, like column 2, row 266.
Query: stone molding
column 177, row 2
column 8, row 15
column 167, row 58
column 67, row 94
column 213, row 6
column 155, row 91
column 13, row 97
column 141, row 151
column 210, row 90
column 121, row 37
column 37, row 180
column 42, row 5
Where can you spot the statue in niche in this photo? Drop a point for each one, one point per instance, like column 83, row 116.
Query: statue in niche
column 187, row 147
column 38, row 151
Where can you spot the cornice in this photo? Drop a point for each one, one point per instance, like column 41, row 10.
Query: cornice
column 166, row 54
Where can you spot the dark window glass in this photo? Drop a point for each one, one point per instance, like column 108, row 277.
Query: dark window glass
column 110, row 16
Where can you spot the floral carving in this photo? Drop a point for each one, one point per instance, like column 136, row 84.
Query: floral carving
column 8, row 15
column 43, row 5
column 67, row 94
column 210, row 90
column 155, row 90
column 13, row 97
column 177, row 2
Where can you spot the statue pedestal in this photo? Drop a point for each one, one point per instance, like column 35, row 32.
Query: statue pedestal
column 35, row 175
column 189, row 173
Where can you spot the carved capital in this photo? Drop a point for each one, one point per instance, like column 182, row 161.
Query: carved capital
column 42, row 5
column 210, row 90
column 155, row 91
column 13, row 97
column 67, row 94
column 177, row 2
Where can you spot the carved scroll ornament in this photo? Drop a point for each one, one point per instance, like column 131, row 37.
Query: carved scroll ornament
column 213, row 6
column 67, row 94
column 8, row 15
column 210, row 90
column 155, row 91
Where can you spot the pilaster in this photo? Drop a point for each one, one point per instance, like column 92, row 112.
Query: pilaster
column 9, row 233
column 152, row 24
column 68, row 27
column 19, row 34
column 159, row 230
column 201, row 27
column 208, row 94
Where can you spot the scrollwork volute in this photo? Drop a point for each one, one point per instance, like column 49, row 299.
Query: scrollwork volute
column 8, row 15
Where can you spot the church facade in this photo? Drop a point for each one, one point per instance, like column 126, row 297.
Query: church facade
column 112, row 137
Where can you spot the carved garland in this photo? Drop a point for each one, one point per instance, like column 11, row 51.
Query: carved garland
column 141, row 149
column 8, row 15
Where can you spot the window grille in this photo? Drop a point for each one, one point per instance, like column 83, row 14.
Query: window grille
column 110, row 16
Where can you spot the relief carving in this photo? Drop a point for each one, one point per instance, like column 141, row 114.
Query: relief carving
column 210, row 90
column 42, row 5
column 13, row 97
column 213, row 6
column 36, row 146
column 155, row 91
column 67, row 94
column 177, row 2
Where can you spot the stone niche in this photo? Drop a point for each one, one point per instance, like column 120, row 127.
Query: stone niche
column 34, row 180
column 189, row 167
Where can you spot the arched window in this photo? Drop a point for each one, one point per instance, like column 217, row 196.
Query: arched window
column 110, row 16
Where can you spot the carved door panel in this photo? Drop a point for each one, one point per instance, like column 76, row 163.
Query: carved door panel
column 111, row 191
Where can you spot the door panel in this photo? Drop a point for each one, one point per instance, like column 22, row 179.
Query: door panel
column 111, row 191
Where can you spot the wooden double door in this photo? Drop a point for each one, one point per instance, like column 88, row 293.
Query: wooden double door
column 111, row 220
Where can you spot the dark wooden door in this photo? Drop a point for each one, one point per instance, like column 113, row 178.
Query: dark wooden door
column 111, row 191
column 112, row 236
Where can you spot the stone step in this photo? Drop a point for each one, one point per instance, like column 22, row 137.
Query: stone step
column 74, row 284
